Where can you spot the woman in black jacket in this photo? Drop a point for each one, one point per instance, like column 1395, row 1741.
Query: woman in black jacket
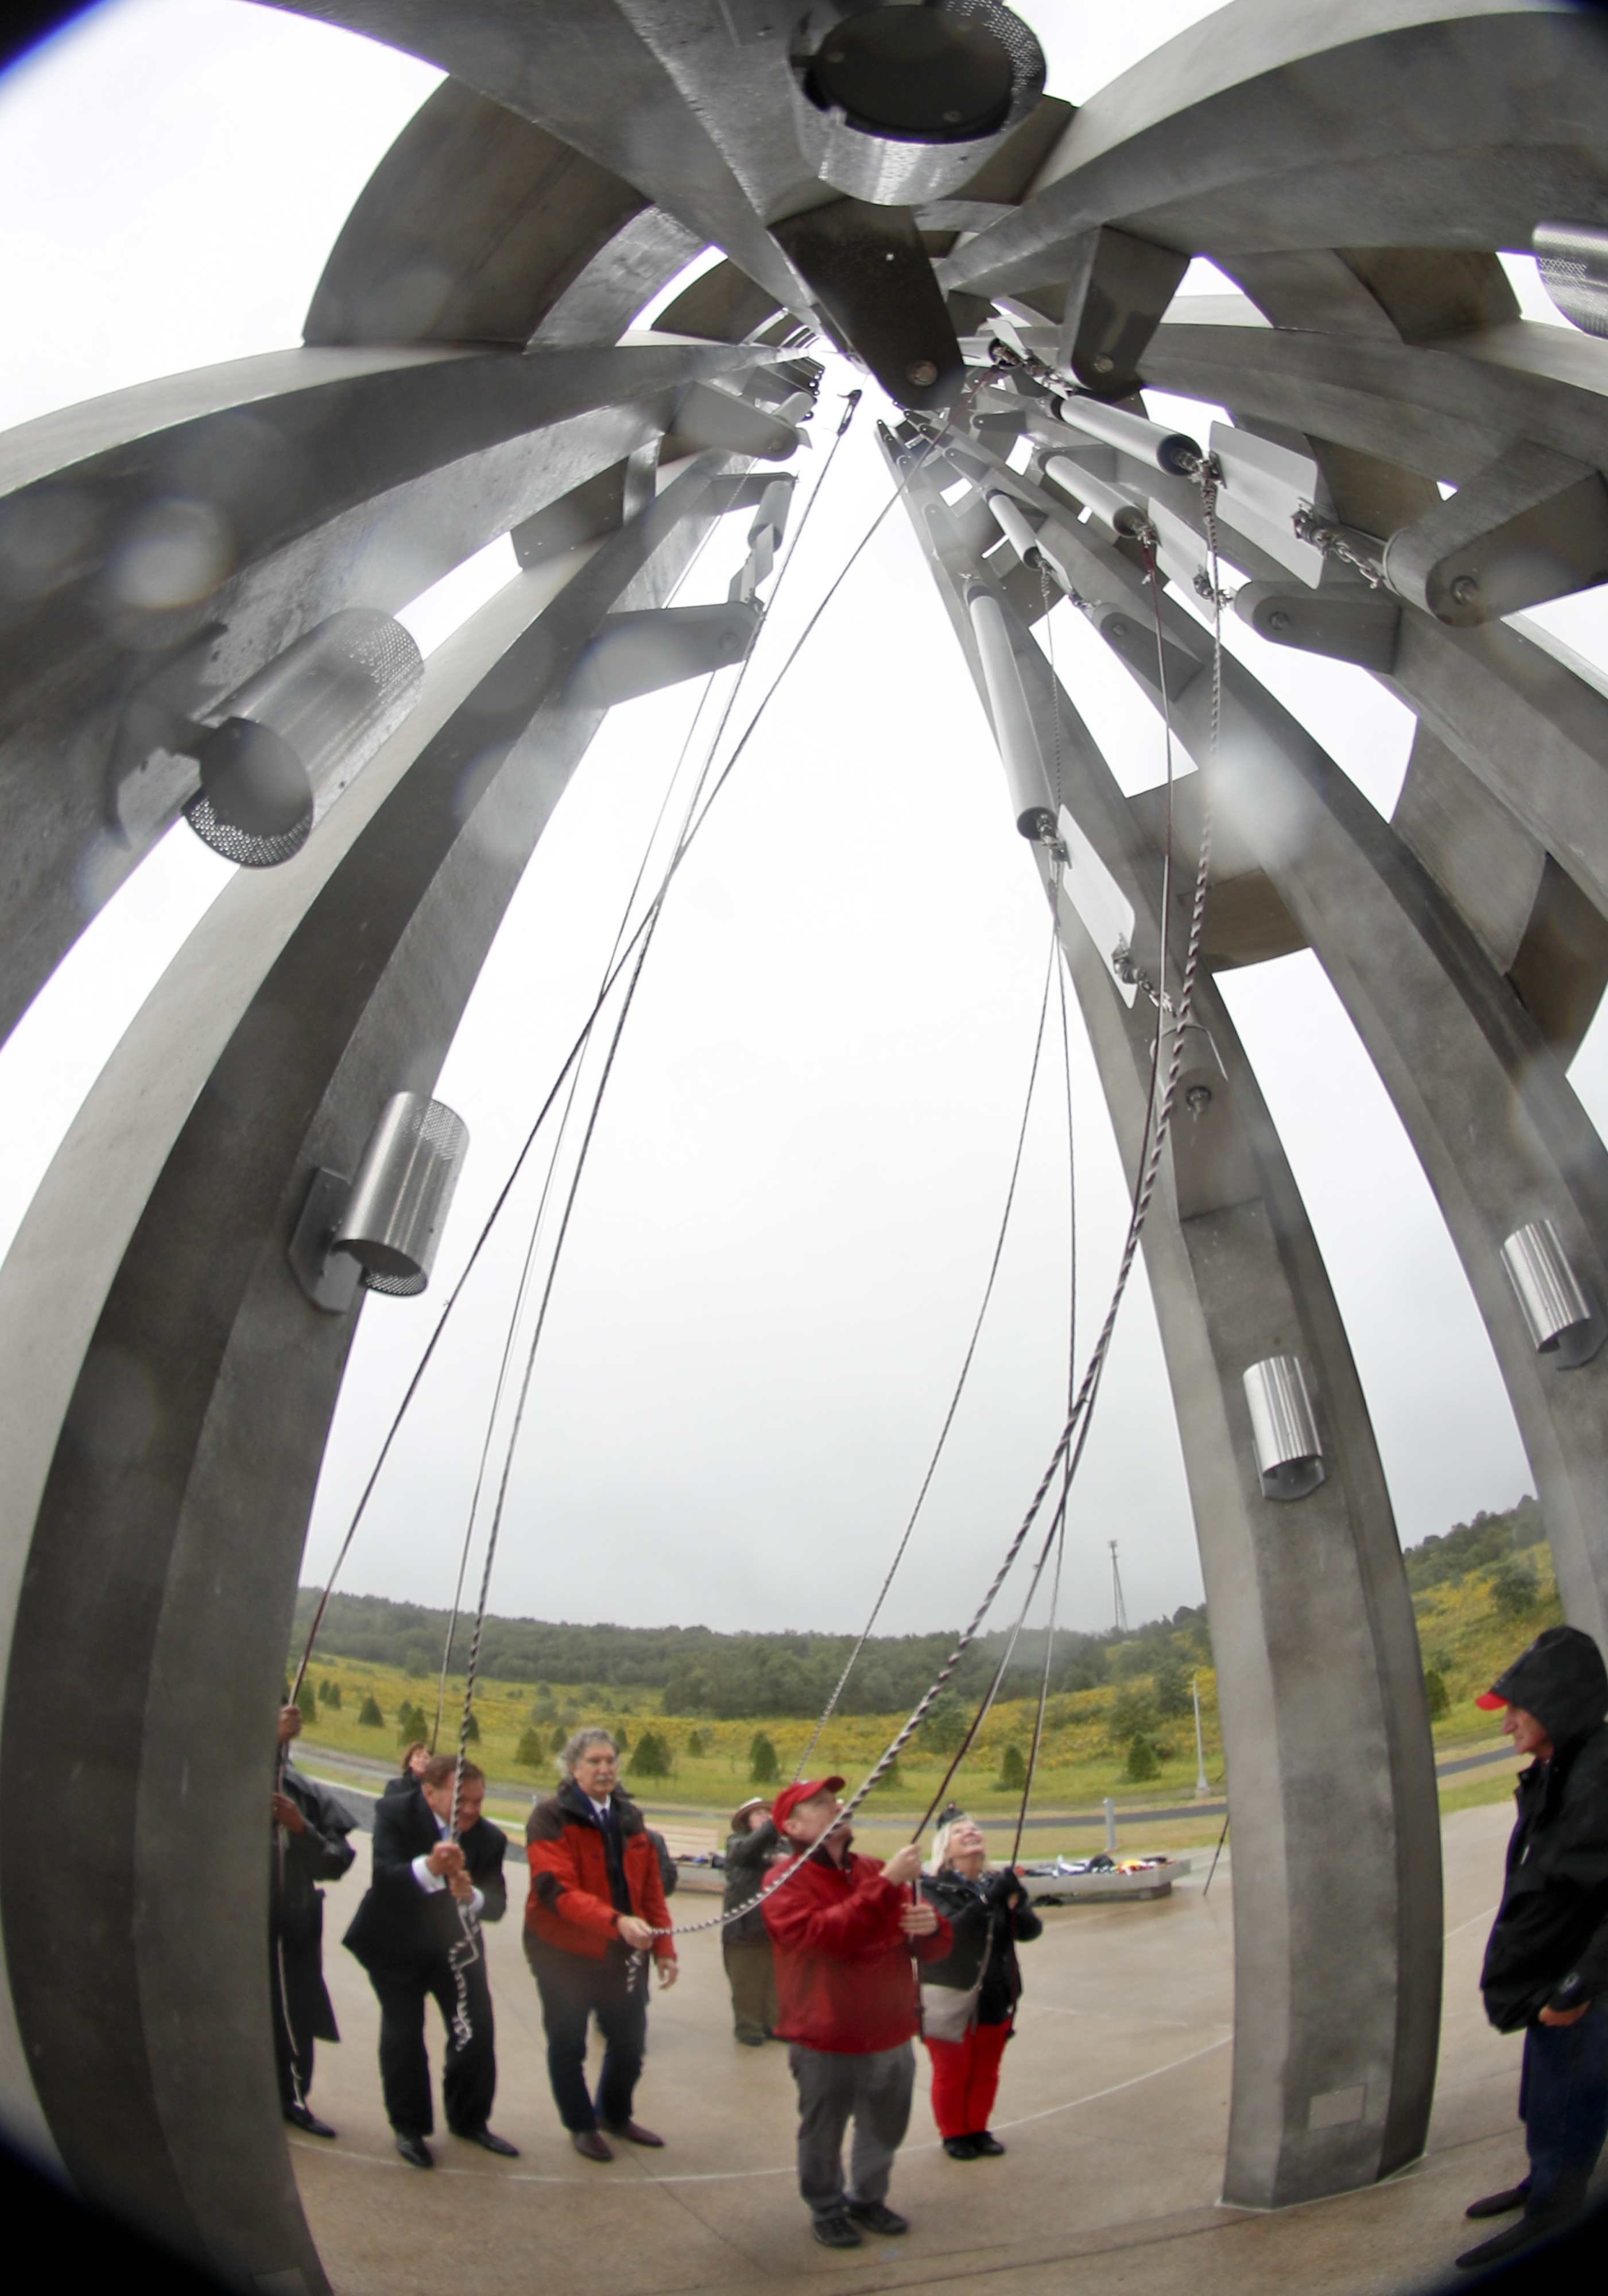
column 969, row 2001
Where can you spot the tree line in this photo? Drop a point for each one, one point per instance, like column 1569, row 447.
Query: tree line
column 698, row 1671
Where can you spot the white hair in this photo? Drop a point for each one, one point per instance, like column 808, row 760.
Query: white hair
column 575, row 1745
column 941, row 1840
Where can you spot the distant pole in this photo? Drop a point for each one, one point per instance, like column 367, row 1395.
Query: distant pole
column 1200, row 1787
column 1111, row 1827
column 1119, row 1606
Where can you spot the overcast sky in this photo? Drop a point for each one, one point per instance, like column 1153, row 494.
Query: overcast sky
column 790, row 1202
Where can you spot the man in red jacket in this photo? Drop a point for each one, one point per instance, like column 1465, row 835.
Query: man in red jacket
column 595, row 1902
column 843, row 1929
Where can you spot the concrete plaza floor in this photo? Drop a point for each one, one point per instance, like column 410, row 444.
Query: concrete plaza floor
column 1113, row 2105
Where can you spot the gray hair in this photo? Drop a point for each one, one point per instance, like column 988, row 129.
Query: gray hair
column 941, row 1840
column 575, row 1745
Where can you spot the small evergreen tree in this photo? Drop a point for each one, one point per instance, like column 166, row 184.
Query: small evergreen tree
column 1141, row 1764
column 369, row 1714
column 472, row 1735
column 891, row 1776
column 695, row 1745
column 529, row 1754
column 1434, row 1693
column 652, row 1758
column 330, row 1694
column 622, row 1738
column 1013, row 1770
column 306, row 1704
column 762, row 1764
column 555, row 1744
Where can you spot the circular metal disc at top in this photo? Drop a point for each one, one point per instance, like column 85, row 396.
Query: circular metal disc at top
column 916, row 74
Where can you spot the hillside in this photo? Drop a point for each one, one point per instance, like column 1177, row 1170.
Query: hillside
column 1119, row 1719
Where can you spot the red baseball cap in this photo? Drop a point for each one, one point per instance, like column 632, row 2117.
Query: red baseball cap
column 1492, row 1700
column 790, row 1797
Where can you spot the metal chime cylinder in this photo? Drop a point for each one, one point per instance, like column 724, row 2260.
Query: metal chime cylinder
column 400, row 1198
column 1557, row 1312
column 1031, row 797
column 297, row 734
column 902, row 103
column 1573, row 260
column 1119, row 510
column 1132, row 434
column 1012, row 522
column 1289, row 1456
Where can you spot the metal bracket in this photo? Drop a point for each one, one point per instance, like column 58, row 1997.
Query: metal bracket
column 328, row 1279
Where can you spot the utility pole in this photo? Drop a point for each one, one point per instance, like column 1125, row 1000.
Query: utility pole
column 1119, row 1607
column 1200, row 1787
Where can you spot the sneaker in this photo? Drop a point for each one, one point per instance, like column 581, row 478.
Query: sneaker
column 876, row 2218
column 835, row 2232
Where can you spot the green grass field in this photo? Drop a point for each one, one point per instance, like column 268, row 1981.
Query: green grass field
column 1465, row 1636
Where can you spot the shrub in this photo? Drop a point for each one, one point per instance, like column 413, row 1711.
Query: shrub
column 555, row 1743
column 410, row 1721
column 695, row 1745
column 530, row 1753
column 1013, row 1770
column 1133, row 1715
column 1434, row 1692
column 329, row 1694
column 652, row 1758
column 622, row 1737
column 1172, row 1691
column 946, row 1723
column 1514, row 1586
column 1142, row 1763
column 762, row 1765
column 306, row 1705
column 472, row 1735
column 891, row 1776
column 369, row 1714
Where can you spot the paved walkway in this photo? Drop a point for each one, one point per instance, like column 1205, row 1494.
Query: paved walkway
column 1114, row 2107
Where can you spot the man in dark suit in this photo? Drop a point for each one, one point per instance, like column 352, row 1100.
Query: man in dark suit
column 417, row 1932
column 311, row 1846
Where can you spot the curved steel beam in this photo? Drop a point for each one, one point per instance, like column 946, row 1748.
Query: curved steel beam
column 1267, row 125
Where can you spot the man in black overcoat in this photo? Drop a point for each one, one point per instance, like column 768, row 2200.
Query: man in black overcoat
column 309, row 1846
column 1546, row 1972
column 417, row 1932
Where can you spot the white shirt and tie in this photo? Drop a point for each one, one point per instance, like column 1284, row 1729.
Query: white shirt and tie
column 433, row 1884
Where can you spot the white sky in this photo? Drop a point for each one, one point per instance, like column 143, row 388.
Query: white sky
column 791, row 1199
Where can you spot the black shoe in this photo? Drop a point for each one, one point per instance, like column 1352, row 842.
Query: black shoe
column 632, row 2132
column 961, row 2148
column 413, row 2151
column 1523, row 2235
column 752, row 2040
column 835, row 2232
column 876, row 2218
column 1500, row 2204
column 487, row 2143
column 986, row 2146
column 303, row 2116
column 590, row 2146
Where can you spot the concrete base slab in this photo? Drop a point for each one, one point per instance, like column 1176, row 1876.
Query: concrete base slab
column 1113, row 2104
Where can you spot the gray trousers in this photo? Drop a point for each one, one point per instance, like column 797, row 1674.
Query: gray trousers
column 834, row 2087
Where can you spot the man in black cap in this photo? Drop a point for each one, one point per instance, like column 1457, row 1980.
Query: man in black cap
column 1547, row 1965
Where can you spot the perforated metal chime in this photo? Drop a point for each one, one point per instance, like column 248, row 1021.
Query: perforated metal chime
column 297, row 734
column 1289, row 1456
column 1559, row 1316
column 383, row 1228
column 1573, row 260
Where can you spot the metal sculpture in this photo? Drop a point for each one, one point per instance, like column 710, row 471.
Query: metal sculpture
column 1009, row 275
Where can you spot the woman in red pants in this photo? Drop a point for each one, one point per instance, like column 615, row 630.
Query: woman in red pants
column 969, row 2001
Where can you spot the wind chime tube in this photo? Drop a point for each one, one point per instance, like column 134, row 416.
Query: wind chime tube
column 1013, row 728
column 1009, row 518
column 1173, row 451
column 1119, row 510
column 1557, row 1313
column 1289, row 1456
column 398, row 1207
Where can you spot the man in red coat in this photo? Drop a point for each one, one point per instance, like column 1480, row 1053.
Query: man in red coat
column 595, row 1901
column 844, row 1929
